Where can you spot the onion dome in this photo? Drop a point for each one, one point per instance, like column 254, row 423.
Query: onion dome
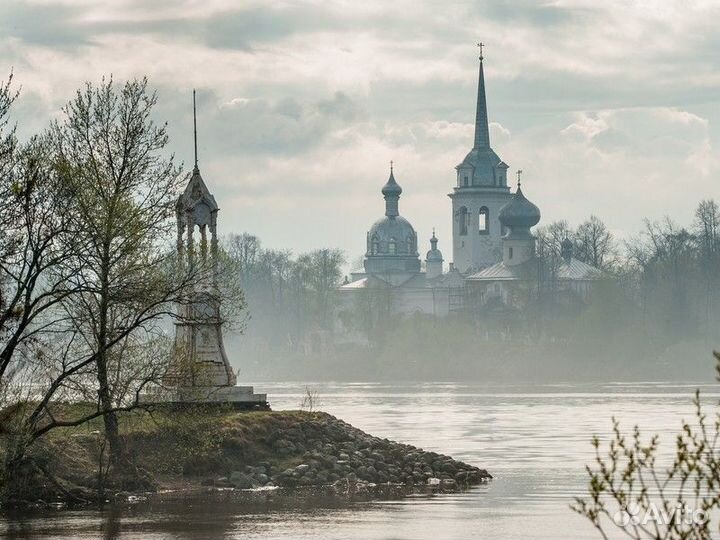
column 391, row 187
column 391, row 241
column 434, row 255
column 519, row 213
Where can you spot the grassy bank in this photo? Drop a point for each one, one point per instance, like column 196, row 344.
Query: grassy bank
column 212, row 448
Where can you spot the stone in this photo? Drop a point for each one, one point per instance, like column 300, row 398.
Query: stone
column 242, row 480
column 448, row 484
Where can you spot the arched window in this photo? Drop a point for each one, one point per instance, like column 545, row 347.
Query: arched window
column 392, row 246
column 374, row 246
column 410, row 245
column 484, row 220
column 462, row 217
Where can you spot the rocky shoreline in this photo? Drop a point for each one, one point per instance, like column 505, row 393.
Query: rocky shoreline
column 333, row 452
column 259, row 455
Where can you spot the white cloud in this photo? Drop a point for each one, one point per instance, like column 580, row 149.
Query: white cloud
column 304, row 104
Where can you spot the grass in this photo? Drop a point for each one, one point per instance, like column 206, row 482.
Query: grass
column 164, row 447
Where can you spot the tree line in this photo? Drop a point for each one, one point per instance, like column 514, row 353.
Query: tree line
column 288, row 297
column 662, row 283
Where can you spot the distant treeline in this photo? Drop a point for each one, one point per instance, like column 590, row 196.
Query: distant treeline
column 664, row 282
column 659, row 298
column 289, row 297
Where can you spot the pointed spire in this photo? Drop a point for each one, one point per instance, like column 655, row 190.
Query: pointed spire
column 195, row 132
column 482, row 131
column 433, row 240
column 519, row 172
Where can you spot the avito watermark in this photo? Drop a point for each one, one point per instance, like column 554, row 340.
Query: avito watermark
column 634, row 515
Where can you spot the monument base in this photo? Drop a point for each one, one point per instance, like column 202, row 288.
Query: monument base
column 237, row 397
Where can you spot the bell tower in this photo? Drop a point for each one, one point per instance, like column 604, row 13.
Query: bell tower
column 480, row 192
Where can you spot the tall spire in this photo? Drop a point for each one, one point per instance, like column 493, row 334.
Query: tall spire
column 195, row 130
column 482, row 132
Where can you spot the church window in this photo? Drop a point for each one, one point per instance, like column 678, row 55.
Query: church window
column 484, row 220
column 374, row 245
column 392, row 246
column 465, row 180
column 462, row 217
column 410, row 245
column 510, row 253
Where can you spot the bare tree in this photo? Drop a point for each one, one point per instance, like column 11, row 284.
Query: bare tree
column 36, row 237
column 550, row 238
column 123, row 190
column 707, row 233
column 632, row 492
column 594, row 244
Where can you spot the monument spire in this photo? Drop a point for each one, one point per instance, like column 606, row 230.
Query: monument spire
column 195, row 130
column 482, row 132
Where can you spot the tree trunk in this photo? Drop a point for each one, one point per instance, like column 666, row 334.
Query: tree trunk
column 110, row 417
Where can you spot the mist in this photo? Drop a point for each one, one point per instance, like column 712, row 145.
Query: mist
column 653, row 315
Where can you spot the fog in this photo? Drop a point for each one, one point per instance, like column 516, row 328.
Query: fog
column 653, row 316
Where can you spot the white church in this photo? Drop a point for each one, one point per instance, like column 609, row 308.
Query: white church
column 493, row 253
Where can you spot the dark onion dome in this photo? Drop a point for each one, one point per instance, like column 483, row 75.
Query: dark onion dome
column 391, row 187
column 519, row 213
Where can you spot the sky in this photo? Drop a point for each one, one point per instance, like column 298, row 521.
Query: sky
column 610, row 108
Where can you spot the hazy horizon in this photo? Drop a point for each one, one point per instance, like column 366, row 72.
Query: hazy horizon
column 609, row 109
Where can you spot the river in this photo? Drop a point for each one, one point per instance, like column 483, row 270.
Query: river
column 533, row 439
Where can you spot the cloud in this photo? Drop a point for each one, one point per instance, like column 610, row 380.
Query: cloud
column 303, row 104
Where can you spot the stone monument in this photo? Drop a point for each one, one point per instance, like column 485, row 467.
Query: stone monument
column 201, row 371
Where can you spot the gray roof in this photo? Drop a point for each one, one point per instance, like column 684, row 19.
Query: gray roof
column 578, row 270
column 197, row 192
column 501, row 272
column 575, row 270
column 417, row 280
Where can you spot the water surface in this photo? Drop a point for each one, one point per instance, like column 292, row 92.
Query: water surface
column 533, row 439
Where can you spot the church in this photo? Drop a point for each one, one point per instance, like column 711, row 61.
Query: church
column 494, row 255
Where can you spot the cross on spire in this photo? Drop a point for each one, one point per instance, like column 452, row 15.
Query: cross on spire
column 391, row 165
column 481, row 45
column 519, row 172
